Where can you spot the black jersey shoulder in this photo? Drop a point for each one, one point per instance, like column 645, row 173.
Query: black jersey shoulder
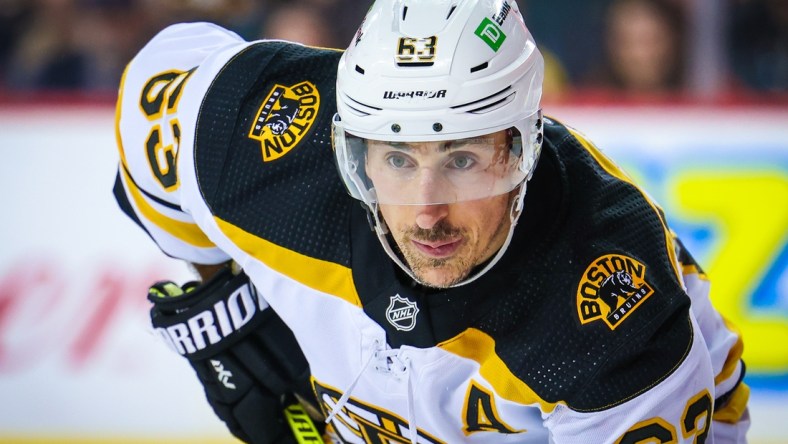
column 263, row 155
column 583, row 222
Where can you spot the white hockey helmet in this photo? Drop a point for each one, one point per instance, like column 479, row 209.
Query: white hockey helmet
column 439, row 70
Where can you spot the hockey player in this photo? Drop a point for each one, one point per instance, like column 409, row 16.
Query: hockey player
column 501, row 281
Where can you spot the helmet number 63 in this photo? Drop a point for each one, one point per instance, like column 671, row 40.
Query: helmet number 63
column 416, row 51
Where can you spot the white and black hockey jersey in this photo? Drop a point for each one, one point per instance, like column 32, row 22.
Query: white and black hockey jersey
column 595, row 326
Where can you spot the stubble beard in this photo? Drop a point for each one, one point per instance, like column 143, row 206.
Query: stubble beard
column 452, row 269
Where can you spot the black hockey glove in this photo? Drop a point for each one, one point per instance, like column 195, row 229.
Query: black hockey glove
column 244, row 355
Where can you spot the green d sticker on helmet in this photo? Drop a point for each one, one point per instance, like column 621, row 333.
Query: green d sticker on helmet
column 491, row 34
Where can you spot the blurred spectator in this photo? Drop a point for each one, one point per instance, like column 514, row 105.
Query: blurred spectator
column 300, row 22
column 327, row 23
column 83, row 45
column 634, row 46
column 556, row 80
column 241, row 16
column 15, row 16
column 75, row 45
column 758, row 44
column 569, row 32
column 644, row 49
column 45, row 54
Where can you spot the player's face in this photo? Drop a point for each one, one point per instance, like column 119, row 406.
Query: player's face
column 441, row 242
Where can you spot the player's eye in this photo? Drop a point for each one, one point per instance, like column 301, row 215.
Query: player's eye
column 398, row 161
column 461, row 162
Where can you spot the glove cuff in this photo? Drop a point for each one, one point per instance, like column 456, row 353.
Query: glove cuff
column 210, row 318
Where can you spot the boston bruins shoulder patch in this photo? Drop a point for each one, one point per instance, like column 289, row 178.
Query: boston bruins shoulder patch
column 284, row 118
column 611, row 288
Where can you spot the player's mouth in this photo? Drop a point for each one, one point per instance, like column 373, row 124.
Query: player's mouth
column 438, row 249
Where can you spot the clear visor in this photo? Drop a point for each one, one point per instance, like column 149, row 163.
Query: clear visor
column 430, row 173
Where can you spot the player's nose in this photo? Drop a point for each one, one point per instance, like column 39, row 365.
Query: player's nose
column 429, row 215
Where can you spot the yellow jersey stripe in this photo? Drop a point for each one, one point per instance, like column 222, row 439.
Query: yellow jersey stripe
column 185, row 231
column 118, row 107
column 477, row 346
column 327, row 277
column 688, row 269
column 615, row 171
column 735, row 407
column 734, row 355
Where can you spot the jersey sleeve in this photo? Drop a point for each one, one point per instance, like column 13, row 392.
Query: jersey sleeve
column 150, row 122
column 677, row 410
column 684, row 356
column 725, row 346
column 702, row 400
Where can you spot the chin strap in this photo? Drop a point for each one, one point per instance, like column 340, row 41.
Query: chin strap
column 381, row 230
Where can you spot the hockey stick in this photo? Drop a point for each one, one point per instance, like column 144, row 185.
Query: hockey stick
column 301, row 424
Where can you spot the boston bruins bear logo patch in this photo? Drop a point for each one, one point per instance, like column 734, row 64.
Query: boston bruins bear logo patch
column 284, row 118
column 612, row 287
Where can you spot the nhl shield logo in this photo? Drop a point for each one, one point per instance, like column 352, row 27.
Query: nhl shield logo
column 401, row 313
